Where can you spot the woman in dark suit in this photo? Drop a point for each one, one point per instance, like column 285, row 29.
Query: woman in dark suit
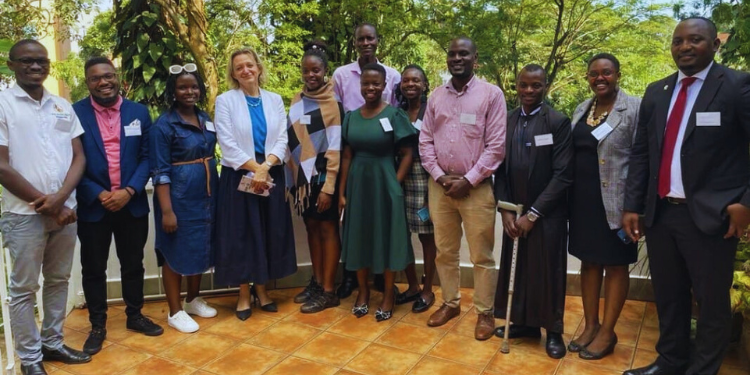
column 603, row 133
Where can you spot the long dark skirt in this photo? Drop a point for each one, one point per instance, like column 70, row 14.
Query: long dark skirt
column 541, row 268
column 255, row 240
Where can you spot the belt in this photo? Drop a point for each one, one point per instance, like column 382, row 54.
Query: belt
column 205, row 163
column 671, row 200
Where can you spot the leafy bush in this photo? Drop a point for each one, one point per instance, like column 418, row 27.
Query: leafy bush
column 740, row 292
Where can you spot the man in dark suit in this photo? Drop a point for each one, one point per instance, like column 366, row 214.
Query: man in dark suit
column 688, row 175
column 112, row 198
column 536, row 173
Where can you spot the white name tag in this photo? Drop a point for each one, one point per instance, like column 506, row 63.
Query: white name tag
column 468, row 118
column 543, row 139
column 418, row 125
column 304, row 120
column 210, row 126
column 63, row 124
column 386, row 124
column 601, row 131
column 708, row 119
column 134, row 129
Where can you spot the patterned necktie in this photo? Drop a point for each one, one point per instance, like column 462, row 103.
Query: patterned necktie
column 670, row 137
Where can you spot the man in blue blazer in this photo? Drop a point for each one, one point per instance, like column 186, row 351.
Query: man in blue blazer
column 112, row 199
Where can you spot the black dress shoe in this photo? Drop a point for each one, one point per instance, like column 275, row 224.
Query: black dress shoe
column 347, row 287
column 65, row 354
column 653, row 369
column 33, row 369
column 312, row 289
column 243, row 315
column 519, row 331
column 405, row 297
column 95, row 340
column 421, row 305
column 144, row 325
column 555, row 345
column 589, row 355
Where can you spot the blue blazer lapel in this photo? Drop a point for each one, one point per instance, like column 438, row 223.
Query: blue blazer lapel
column 125, row 120
column 91, row 127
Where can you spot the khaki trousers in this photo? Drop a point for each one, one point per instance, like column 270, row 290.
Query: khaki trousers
column 477, row 214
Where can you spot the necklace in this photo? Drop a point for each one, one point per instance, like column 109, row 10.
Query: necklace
column 590, row 120
column 253, row 102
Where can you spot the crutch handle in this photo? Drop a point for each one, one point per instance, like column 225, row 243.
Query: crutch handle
column 517, row 208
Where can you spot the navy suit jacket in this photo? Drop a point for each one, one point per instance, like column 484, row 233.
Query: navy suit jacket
column 134, row 169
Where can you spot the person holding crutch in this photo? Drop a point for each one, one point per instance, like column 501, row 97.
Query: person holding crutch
column 536, row 173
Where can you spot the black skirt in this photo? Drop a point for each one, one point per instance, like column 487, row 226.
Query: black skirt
column 255, row 238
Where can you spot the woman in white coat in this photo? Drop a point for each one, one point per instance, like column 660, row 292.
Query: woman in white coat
column 255, row 242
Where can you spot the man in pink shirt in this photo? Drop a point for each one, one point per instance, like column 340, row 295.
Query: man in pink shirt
column 461, row 144
column 112, row 199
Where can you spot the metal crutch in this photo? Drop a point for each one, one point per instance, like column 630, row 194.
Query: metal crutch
column 518, row 209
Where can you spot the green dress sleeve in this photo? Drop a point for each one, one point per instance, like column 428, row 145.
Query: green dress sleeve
column 345, row 130
column 403, row 130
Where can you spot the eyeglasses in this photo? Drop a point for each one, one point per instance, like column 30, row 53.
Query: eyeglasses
column 28, row 61
column 97, row 79
column 606, row 73
column 177, row 69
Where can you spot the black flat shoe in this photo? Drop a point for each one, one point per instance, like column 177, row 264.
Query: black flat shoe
column 575, row 347
column 421, row 305
column 65, row 354
column 243, row 314
column 589, row 355
column 555, row 345
column 95, row 341
column 144, row 325
column 402, row 298
column 519, row 331
column 270, row 307
column 360, row 310
column 381, row 315
column 33, row 369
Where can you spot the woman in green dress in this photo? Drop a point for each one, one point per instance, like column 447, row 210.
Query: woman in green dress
column 375, row 233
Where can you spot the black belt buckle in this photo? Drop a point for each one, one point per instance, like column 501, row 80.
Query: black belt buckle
column 672, row 200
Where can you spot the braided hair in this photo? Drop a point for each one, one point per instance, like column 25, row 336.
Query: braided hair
column 403, row 103
column 316, row 48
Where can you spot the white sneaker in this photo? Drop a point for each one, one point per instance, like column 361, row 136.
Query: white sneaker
column 200, row 308
column 182, row 322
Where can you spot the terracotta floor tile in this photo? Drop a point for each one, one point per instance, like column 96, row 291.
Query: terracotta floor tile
column 466, row 350
column 571, row 321
column 285, row 306
column 436, row 366
column 115, row 358
column 735, row 357
column 518, row 358
column 294, row 365
column 573, row 304
column 116, row 329
column 644, row 357
column 223, row 313
column 245, row 359
column 410, row 337
column 284, row 337
column 633, row 311
column 155, row 344
column 728, row 370
column 75, row 339
column 331, row 349
column 321, row 320
column 347, row 372
column 648, row 338
column 155, row 365
column 364, row 328
column 238, row 330
column 78, row 319
column 156, row 310
column 201, row 372
column 651, row 318
column 383, row 360
column 466, row 324
column 619, row 360
column 199, row 349
column 627, row 332
column 228, row 301
column 568, row 367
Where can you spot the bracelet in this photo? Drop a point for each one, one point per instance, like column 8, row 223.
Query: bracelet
column 127, row 189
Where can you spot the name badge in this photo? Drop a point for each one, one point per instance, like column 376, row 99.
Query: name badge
column 468, row 118
column 708, row 119
column 134, row 129
column 601, row 131
column 543, row 139
column 386, row 124
column 418, row 125
column 63, row 125
column 210, row 126
column 304, row 120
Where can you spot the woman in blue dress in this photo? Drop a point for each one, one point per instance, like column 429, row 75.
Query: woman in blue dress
column 184, row 174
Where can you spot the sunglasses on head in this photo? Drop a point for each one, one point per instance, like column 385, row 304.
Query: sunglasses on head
column 177, row 69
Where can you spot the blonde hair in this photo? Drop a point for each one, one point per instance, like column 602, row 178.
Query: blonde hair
column 235, row 84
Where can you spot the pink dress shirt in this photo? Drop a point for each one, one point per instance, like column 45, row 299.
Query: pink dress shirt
column 347, row 90
column 108, row 119
column 463, row 133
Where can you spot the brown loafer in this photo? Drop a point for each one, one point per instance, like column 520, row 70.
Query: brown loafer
column 485, row 326
column 443, row 315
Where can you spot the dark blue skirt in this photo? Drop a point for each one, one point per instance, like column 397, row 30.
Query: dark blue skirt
column 255, row 239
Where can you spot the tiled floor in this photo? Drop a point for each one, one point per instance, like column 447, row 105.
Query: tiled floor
column 335, row 342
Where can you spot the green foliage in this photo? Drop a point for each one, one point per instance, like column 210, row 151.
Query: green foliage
column 740, row 292
column 100, row 37
column 5, row 45
column 71, row 72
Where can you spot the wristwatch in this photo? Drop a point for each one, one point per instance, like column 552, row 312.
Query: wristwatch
column 532, row 216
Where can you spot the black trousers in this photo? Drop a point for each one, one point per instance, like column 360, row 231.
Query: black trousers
column 684, row 259
column 130, row 235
